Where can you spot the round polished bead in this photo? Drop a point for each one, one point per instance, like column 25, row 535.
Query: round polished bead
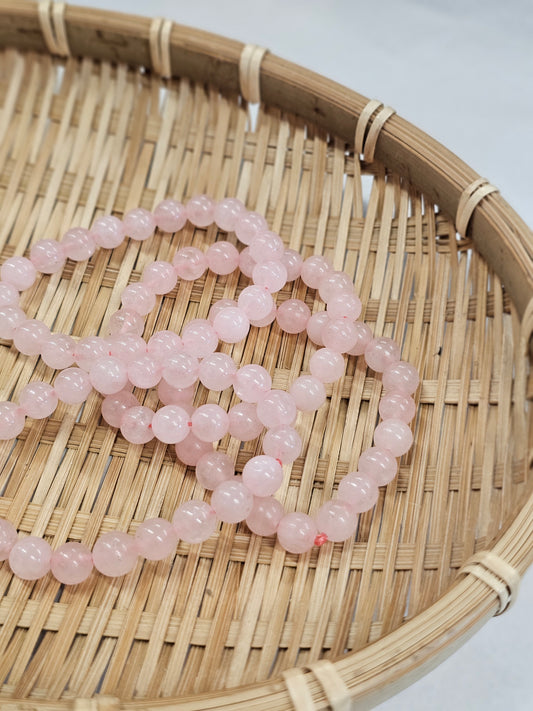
column 30, row 558
column 181, row 370
column 344, row 306
column 232, row 500
column 170, row 215
column 194, row 521
column 8, row 538
column 339, row 335
column 89, row 350
column 333, row 283
column 127, row 347
column 144, row 371
column 57, row 351
column 401, row 377
column 156, row 538
column 10, row 318
column 283, row 443
column 160, row 277
column 337, row 519
column 292, row 261
column 378, row 464
column 38, row 400
column 12, row 420
column 266, row 246
column 217, row 371
column 327, row 365
column 78, row 244
column 227, row 213
column 246, row 263
column 108, row 231
column 231, row 325
column 191, row 449
column 164, row 344
column 115, row 554
column 139, row 224
column 9, row 295
column 114, row 406
column 315, row 326
column 397, row 406
column 190, row 263
column 266, row 320
column 262, row 475
column 363, row 337
column 170, row 424
column 19, row 272
column 296, row 532
column 264, row 518
column 308, row 392
column 108, row 375
column 313, row 269
column 381, row 353
column 136, row 424
column 276, row 407
column 138, row 298
column 393, row 435
column 243, row 422
column 200, row 210
column 72, row 386
column 125, row 321
column 218, row 306
column 170, row 395
column 360, row 491
column 249, row 225
column 293, row 316
column 209, row 423
column 251, row 382
column 271, row 276
column 255, row 302
column 199, row 338
column 213, row 468
column 47, row 256
column 222, row 258
column 30, row 335
column 71, row 563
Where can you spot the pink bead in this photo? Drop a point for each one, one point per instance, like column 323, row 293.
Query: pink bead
column 8, row 538
column 124, row 321
column 190, row 263
column 264, row 518
column 333, row 283
column 10, row 318
column 175, row 396
column 181, row 370
column 394, row 436
column 364, row 336
column 397, row 406
column 266, row 246
column 30, row 558
column 127, row 347
column 19, row 272
column 108, row 375
column 231, row 325
column 282, row 443
column 227, row 213
column 139, row 224
column 232, row 500
column 108, row 231
column 170, row 424
column 313, row 269
column 9, row 295
column 164, row 344
column 170, row 216
column 38, row 400
column 293, row 316
column 71, row 563
column 243, row 422
column 267, row 320
column 339, row 335
column 30, row 336
column 297, row 532
column 213, row 468
column 115, row 554
column 344, row 306
column 114, row 406
column 402, row 377
column 271, row 276
column 315, row 326
column 293, row 262
column 255, row 302
column 160, row 277
column 327, row 365
column 216, row 371
column 47, row 256
column 57, row 351
column 200, row 210
column 78, row 244
column 337, row 520
column 209, row 423
column 381, row 353
column 136, row 424
column 246, row 263
column 361, row 492
column 218, row 306
column 156, row 538
column 222, row 258
column 199, row 338
column 308, row 392
column 194, row 521
column 251, row 382
column 72, row 386
column 144, row 372
column 191, row 449
column 378, row 464
column 249, row 225
column 12, row 420
column 138, row 298
column 89, row 350
column 262, row 475
column 275, row 408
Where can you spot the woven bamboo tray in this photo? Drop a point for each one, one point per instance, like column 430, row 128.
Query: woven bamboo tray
column 442, row 264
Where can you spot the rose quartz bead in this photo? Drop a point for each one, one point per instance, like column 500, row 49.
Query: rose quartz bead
column 170, row 424
column 114, row 406
column 315, row 326
column 326, row 365
column 127, row 347
column 394, row 436
column 78, row 244
column 222, row 258
column 402, row 377
column 124, row 321
column 47, row 256
column 232, row 500
column 262, row 475
column 38, row 400
column 72, row 386
column 361, row 492
column 293, row 315
column 12, row 420
column 156, row 538
column 144, row 371
column 8, row 538
column 136, row 424
column 71, row 563
column 164, row 344
column 265, row 516
column 108, row 375
column 227, row 213
column 9, row 295
column 89, row 350
column 339, row 335
column 397, row 406
column 378, row 464
column 200, row 210
column 199, row 338
column 213, row 468
column 381, row 352
column 181, row 370
column 216, row 371
column 271, row 276
column 19, row 272
column 190, row 263
column 10, row 318
column 160, row 277
column 308, row 392
column 115, row 553
column 266, row 246
column 249, row 225
column 175, row 396
column 283, row 443
column 231, row 325
column 30, row 558
column 251, row 382
column 191, row 449
column 364, row 336
column 344, row 306
column 218, row 306
column 138, row 298
column 209, row 423
column 243, row 422
column 333, row 283
column 57, row 351
column 246, row 263
column 194, row 521
column 30, row 335
column 255, row 302
column 297, row 532
column 139, row 224
column 275, row 408
column 170, row 215
column 267, row 320
column 337, row 520
column 292, row 261
column 108, row 231
column 313, row 269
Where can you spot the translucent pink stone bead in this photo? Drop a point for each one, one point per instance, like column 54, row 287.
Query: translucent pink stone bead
column 216, row 371
column 124, row 321
column 218, row 306
column 144, row 371
column 308, row 393
column 164, row 344
column 283, row 443
column 337, row 520
column 139, row 224
column 191, row 449
column 293, row 315
column 18, row 271
column 243, row 422
column 275, row 408
column 175, row 396
column 213, row 468
column 170, row 216
column 200, row 210
column 57, row 351
column 339, row 335
column 397, row 406
column 71, row 563
column 38, row 400
column 262, row 475
column 378, row 464
column 181, row 370
column 313, row 269
column 138, row 298
column 108, row 231
column 255, row 302
column 381, row 353
column 114, row 406
column 344, row 306
column 170, row 424
column 10, row 318
column 364, row 336
column 267, row 320
column 292, row 261
column 249, row 225
column 251, row 382
column 266, row 246
column 264, row 518
column 9, row 295
column 297, row 532
column 115, row 553
column 194, row 521
column 231, row 325
column 222, row 257
column 160, row 277
column 108, row 375
column 78, row 244
column 246, row 263
column 232, row 500
column 334, row 282
column 47, row 256
column 361, row 492
column 271, row 276
column 326, row 365
column 8, row 538
column 89, row 350
column 136, row 424
column 315, row 326
column 12, row 420
column 30, row 558
column 394, row 436
column 401, row 377
column 156, row 538
column 227, row 213
column 127, row 347
column 209, row 423
column 199, row 338
column 30, row 336
column 72, row 386
column 190, row 263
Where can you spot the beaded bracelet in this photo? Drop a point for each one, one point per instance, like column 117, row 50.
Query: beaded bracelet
column 234, row 498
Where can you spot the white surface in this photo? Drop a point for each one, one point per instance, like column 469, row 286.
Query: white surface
column 463, row 72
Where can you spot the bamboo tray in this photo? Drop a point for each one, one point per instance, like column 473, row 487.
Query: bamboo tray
column 442, row 264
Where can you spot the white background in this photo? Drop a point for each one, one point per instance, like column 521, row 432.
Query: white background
column 461, row 70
